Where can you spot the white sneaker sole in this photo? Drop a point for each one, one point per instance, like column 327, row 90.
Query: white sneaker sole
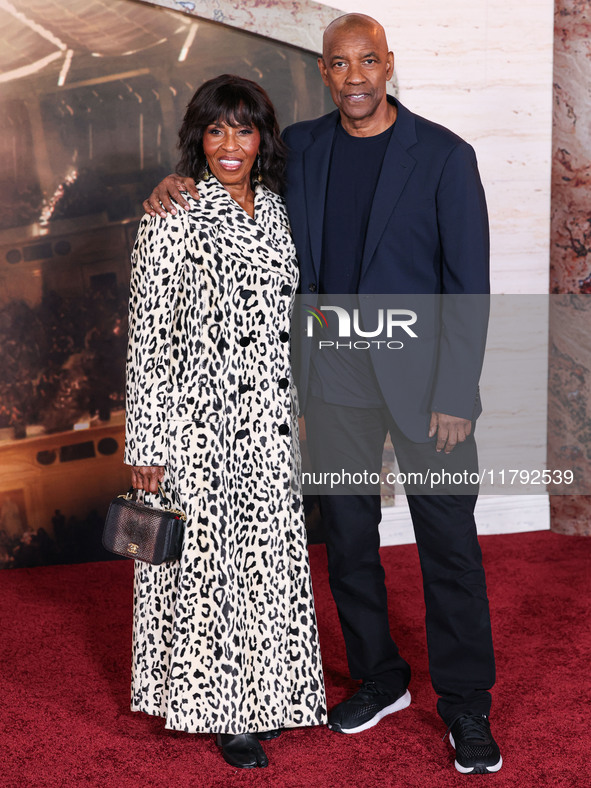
column 400, row 704
column 470, row 769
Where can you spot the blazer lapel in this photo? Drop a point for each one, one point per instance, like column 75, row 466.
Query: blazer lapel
column 316, row 164
column 396, row 169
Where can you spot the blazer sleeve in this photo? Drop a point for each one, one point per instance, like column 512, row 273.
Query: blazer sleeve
column 156, row 265
column 463, row 231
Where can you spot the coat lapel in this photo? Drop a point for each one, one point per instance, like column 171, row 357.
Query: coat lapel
column 316, row 164
column 218, row 208
column 229, row 226
column 272, row 224
column 396, row 169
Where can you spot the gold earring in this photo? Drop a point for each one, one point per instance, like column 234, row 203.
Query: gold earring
column 206, row 173
column 260, row 175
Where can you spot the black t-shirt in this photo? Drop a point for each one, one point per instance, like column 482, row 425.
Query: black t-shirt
column 346, row 377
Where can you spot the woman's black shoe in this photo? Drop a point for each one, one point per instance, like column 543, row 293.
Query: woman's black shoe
column 242, row 750
column 268, row 735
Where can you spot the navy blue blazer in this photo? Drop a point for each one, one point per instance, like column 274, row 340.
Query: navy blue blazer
column 427, row 236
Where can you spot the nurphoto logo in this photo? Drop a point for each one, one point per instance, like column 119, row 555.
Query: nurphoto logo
column 388, row 321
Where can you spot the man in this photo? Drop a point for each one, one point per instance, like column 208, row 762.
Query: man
column 382, row 201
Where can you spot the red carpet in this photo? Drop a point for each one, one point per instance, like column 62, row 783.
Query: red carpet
column 65, row 718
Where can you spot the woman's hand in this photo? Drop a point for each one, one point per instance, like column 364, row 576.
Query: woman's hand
column 146, row 477
column 159, row 202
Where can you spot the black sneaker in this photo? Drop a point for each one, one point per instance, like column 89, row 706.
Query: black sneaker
column 476, row 750
column 366, row 708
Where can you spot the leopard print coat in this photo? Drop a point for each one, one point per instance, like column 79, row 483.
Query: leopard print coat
column 224, row 640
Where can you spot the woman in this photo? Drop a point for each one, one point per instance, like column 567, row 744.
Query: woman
column 224, row 640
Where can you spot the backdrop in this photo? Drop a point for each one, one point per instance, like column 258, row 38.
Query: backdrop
column 91, row 102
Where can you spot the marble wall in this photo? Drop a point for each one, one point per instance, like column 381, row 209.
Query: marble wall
column 486, row 74
column 569, row 423
column 570, row 263
column 300, row 23
column 471, row 66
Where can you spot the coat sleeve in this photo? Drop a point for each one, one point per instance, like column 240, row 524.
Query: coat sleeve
column 464, row 237
column 156, row 265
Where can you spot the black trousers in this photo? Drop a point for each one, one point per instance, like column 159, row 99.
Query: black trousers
column 459, row 640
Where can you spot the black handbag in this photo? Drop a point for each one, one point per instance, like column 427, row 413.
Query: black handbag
column 135, row 530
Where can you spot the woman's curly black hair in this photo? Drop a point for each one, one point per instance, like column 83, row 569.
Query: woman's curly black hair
column 238, row 102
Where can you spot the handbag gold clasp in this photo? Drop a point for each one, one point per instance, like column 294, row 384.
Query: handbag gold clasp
column 132, row 548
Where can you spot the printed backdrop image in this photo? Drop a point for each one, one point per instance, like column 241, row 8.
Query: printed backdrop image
column 91, row 99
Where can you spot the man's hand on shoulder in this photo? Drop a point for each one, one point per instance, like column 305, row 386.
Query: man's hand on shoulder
column 160, row 201
column 450, row 430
